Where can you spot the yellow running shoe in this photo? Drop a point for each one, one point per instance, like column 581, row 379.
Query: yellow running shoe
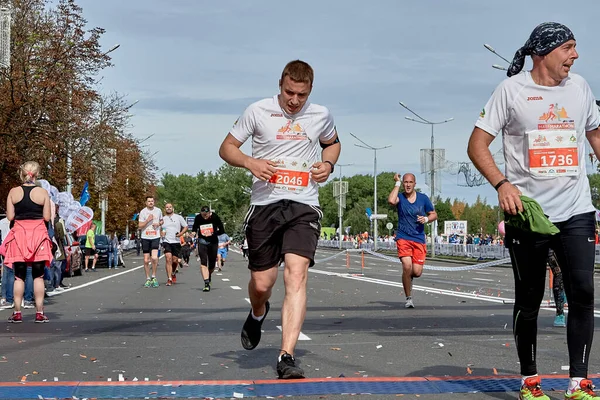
column 532, row 389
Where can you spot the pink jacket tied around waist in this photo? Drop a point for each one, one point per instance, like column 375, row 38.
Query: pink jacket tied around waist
column 27, row 241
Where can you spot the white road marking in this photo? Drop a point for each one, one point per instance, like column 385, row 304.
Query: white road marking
column 248, row 300
column 483, row 279
column 67, row 290
column 236, row 288
column 225, row 279
column 301, row 337
column 491, row 299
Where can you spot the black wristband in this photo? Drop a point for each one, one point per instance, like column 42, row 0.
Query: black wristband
column 330, row 163
column 502, row 182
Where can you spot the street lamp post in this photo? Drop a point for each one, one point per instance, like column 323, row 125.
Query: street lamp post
column 340, row 166
column 5, row 28
column 374, row 149
column 69, row 149
column 209, row 201
column 424, row 121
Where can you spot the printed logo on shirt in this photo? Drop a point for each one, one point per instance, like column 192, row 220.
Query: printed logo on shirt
column 291, row 131
column 535, row 98
column 277, row 115
column 556, row 118
column 482, row 113
column 236, row 121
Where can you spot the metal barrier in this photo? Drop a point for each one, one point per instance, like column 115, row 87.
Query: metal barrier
column 396, row 260
column 479, row 252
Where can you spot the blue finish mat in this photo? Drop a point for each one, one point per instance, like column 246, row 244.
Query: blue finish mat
column 271, row 388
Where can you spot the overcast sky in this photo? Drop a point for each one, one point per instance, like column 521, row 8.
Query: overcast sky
column 194, row 65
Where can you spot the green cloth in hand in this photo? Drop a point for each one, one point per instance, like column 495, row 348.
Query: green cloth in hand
column 532, row 218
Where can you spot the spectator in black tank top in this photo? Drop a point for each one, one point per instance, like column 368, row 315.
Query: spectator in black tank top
column 28, row 243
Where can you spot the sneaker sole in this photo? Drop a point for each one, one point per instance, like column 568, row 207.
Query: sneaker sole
column 296, row 375
column 41, row 322
column 14, row 322
column 293, row 375
column 246, row 342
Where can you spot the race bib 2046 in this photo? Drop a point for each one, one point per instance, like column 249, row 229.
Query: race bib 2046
column 293, row 175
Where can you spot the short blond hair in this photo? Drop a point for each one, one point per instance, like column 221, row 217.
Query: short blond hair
column 298, row 71
column 29, row 171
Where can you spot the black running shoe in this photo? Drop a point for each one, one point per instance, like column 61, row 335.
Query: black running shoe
column 287, row 369
column 206, row 288
column 251, row 331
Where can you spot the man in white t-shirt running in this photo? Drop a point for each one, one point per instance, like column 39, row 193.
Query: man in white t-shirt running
column 284, row 219
column 545, row 116
column 174, row 226
column 150, row 221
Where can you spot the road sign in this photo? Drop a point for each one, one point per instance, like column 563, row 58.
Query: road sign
column 389, row 225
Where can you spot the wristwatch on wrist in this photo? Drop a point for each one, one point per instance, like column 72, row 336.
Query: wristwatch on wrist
column 330, row 163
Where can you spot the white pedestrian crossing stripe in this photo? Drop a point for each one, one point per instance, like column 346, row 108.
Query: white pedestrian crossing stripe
column 236, row 288
column 301, row 337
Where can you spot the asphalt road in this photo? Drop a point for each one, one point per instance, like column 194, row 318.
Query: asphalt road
column 108, row 328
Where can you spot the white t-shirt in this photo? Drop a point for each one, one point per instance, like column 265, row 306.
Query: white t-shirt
column 543, row 130
column 290, row 140
column 173, row 224
column 148, row 231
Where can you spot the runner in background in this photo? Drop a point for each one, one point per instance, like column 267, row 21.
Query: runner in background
column 224, row 242
column 208, row 227
column 558, row 290
column 150, row 222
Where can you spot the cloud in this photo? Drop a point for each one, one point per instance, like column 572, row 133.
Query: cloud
column 196, row 65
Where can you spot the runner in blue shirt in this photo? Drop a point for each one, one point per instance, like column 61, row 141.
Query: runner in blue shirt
column 414, row 211
column 224, row 241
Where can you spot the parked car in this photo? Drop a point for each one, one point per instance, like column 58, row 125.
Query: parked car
column 74, row 256
column 101, row 248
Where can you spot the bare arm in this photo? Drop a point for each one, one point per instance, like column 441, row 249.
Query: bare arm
column 393, row 197
column 143, row 224
column 230, row 152
column 479, row 153
column 321, row 169
column 10, row 207
column 183, row 231
column 47, row 212
column 432, row 216
column 594, row 138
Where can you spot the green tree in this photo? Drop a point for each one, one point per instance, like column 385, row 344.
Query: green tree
column 595, row 189
column 444, row 213
column 228, row 186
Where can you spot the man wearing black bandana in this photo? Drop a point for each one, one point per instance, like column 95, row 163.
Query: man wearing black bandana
column 545, row 116
column 208, row 227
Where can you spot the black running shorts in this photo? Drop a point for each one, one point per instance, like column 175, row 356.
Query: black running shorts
column 150, row 244
column 173, row 248
column 279, row 228
column 89, row 251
